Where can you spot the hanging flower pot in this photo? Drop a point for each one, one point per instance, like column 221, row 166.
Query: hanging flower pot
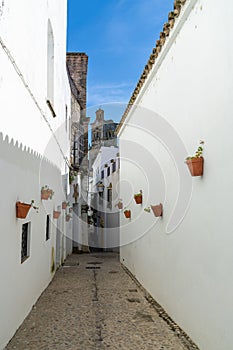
column 56, row 214
column 138, row 197
column 22, row 210
column 127, row 214
column 195, row 166
column 120, row 205
column 196, row 162
column 68, row 217
column 46, row 193
column 157, row 210
column 64, row 205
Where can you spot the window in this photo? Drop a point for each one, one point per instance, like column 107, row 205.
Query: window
column 102, row 174
column 108, row 172
column 114, row 167
column 50, row 68
column 48, row 228
column 25, row 242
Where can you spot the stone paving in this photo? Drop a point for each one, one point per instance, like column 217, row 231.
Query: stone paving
column 92, row 303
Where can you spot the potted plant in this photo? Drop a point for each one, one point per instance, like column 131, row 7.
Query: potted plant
column 56, row 214
column 106, row 165
column 196, row 162
column 22, row 209
column 157, row 210
column 64, row 205
column 46, row 193
column 70, row 210
column 72, row 175
column 119, row 204
column 68, row 217
column 112, row 161
column 138, row 197
column 127, row 213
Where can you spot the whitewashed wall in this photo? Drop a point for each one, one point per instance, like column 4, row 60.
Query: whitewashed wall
column 26, row 141
column 187, row 97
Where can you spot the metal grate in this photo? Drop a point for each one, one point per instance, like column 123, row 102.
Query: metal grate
column 25, row 242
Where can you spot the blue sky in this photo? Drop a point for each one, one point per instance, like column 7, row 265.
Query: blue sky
column 118, row 36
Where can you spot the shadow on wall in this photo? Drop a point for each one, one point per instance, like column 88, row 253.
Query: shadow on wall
column 21, row 156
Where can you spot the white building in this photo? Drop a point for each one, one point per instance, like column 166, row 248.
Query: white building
column 102, row 135
column 184, row 259
column 34, row 152
column 105, row 197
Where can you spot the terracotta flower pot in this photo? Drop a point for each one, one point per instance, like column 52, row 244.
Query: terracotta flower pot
column 68, row 217
column 127, row 214
column 157, row 210
column 22, row 210
column 120, row 205
column 195, row 166
column 64, row 205
column 138, row 199
column 45, row 194
column 56, row 214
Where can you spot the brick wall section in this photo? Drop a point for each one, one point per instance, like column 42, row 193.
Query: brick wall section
column 77, row 63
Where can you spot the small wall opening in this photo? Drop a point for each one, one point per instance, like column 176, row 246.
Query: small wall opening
column 50, row 65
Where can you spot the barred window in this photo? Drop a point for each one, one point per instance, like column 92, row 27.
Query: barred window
column 25, row 242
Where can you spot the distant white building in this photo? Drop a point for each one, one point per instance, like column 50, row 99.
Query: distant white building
column 105, row 187
column 102, row 135
column 34, row 152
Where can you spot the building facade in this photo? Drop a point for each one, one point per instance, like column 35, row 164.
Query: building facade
column 102, row 135
column 184, row 258
column 104, row 200
column 35, row 107
column 77, row 64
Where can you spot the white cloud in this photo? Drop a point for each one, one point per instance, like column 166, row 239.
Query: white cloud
column 109, row 93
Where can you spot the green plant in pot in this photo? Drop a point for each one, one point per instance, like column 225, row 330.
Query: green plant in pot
column 119, row 204
column 72, row 175
column 138, row 197
column 65, row 204
column 127, row 213
column 46, row 192
column 196, row 163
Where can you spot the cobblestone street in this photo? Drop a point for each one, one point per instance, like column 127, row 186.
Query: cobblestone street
column 92, row 303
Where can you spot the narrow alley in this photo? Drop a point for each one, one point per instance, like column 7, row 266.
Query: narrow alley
column 92, row 303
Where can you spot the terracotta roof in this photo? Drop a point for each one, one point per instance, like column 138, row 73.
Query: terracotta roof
column 172, row 16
